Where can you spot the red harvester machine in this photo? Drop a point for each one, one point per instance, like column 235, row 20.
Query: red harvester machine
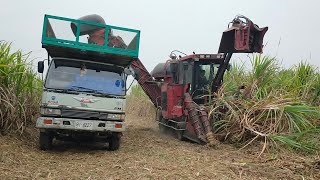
column 182, row 85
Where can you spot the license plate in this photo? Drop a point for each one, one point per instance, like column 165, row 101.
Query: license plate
column 109, row 126
column 84, row 125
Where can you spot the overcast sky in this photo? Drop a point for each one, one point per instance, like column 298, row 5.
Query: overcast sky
column 166, row 25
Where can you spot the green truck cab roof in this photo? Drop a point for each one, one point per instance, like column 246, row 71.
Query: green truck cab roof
column 63, row 37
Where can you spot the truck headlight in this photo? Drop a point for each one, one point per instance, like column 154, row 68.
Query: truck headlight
column 50, row 111
column 116, row 116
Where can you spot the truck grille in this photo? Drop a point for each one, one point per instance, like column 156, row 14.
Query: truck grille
column 68, row 113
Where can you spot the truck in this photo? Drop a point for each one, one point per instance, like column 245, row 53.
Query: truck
column 84, row 91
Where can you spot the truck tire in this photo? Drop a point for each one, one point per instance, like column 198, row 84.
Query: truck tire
column 114, row 142
column 45, row 141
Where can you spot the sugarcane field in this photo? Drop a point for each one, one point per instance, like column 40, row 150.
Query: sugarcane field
column 159, row 90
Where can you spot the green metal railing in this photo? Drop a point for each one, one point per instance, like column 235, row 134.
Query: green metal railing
column 51, row 29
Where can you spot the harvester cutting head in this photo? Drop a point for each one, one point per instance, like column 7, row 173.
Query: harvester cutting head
column 242, row 36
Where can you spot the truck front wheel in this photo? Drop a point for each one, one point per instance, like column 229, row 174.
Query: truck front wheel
column 45, row 141
column 114, row 142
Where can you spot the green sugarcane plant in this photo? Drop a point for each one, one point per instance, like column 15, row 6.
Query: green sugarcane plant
column 19, row 90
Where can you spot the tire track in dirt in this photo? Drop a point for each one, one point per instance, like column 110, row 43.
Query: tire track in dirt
column 144, row 154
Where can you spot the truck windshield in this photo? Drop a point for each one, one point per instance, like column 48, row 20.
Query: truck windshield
column 86, row 76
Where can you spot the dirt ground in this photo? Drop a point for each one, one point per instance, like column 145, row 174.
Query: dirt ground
column 147, row 154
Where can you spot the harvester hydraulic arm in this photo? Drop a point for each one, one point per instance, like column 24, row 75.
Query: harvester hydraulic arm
column 219, row 77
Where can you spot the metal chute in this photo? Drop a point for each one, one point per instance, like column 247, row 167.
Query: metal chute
column 242, row 36
column 87, row 28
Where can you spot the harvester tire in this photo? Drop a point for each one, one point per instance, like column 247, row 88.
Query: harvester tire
column 114, row 142
column 45, row 141
column 180, row 135
column 162, row 128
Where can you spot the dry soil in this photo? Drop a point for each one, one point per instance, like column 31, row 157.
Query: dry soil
column 145, row 153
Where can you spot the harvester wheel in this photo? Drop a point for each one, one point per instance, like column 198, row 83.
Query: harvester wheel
column 114, row 142
column 180, row 135
column 45, row 141
column 158, row 115
column 162, row 128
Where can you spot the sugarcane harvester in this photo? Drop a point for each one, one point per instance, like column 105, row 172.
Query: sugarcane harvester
column 181, row 86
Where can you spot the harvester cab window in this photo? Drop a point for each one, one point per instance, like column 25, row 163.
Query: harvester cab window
column 185, row 73
column 204, row 75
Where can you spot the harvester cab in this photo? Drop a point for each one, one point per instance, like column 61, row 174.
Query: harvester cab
column 181, row 86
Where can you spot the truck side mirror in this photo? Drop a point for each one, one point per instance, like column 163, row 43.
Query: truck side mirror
column 40, row 66
column 128, row 71
column 136, row 74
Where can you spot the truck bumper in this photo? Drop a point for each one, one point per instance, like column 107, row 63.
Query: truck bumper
column 80, row 124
